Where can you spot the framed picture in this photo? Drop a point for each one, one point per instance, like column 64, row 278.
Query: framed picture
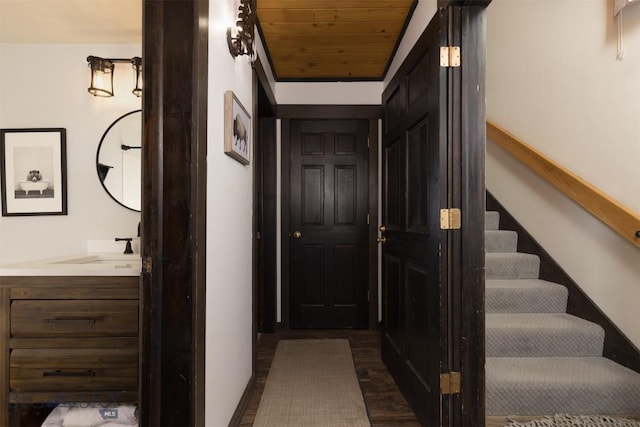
column 33, row 163
column 237, row 129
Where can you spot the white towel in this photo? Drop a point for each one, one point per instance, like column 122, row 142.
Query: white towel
column 54, row 419
column 100, row 415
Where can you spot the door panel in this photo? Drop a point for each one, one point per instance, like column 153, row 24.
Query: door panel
column 418, row 167
column 422, row 323
column 312, row 257
column 346, row 193
column 415, row 345
column 328, row 221
column 312, row 196
column 393, row 205
column 392, row 297
column 346, row 273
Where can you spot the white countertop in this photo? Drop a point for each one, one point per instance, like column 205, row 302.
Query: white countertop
column 85, row 264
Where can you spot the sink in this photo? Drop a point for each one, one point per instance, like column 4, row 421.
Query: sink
column 83, row 264
column 116, row 260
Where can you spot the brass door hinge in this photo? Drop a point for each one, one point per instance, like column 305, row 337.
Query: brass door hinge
column 450, row 383
column 450, row 219
column 450, row 56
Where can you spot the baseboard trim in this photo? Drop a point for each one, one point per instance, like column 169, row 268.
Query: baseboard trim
column 617, row 346
column 236, row 419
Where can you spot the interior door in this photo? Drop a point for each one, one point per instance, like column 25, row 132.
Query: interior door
column 414, row 248
column 328, row 223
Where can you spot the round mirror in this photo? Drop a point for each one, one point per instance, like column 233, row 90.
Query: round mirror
column 119, row 160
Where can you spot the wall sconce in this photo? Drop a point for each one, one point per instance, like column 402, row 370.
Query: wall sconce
column 137, row 68
column 242, row 43
column 102, row 75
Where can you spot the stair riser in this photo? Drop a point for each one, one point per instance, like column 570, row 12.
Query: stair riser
column 525, row 343
column 491, row 220
column 525, row 301
column 512, row 267
column 552, row 399
column 501, row 241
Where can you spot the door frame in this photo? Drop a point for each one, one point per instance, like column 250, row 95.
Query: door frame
column 469, row 193
column 373, row 113
column 264, row 203
column 173, row 226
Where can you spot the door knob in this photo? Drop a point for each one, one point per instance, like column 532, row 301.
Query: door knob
column 380, row 239
column 383, row 228
column 297, row 234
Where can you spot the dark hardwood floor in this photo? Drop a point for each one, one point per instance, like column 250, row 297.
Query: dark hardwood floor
column 385, row 404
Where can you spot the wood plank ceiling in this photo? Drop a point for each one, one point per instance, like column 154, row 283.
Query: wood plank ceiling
column 331, row 40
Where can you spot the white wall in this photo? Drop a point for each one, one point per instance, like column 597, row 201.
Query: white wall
column 554, row 81
column 326, row 93
column 46, row 86
column 229, row 228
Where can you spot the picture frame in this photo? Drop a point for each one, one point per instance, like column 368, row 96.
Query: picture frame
column 33, row 168
column 237, row 129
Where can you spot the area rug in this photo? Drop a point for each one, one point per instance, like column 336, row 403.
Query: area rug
column 564, row 420
column 312, row 382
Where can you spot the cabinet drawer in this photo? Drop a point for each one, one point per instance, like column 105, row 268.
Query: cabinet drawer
column 73, row 369
column 76, row 318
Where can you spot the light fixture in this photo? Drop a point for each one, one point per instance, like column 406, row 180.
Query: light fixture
column 102, row 75
column 242, row 43
column 137, row 67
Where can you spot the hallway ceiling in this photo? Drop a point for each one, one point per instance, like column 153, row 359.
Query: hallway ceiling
column 331, row 39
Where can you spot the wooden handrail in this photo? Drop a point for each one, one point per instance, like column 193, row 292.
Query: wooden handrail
column 617, row 216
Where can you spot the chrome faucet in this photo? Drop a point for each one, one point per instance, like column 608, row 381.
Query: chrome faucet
column 127, row 249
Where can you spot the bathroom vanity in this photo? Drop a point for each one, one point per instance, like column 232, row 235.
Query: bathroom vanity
column 69, row 331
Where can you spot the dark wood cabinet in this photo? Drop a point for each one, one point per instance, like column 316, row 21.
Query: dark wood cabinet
column 68, row 339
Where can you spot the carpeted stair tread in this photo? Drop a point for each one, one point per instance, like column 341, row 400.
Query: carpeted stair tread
column 512, row 265
column 525, row 296
column 546, row 386
column 491, row 220
column 542, row 335
column 500, row 241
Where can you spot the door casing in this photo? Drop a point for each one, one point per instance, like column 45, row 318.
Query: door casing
column 173, row 229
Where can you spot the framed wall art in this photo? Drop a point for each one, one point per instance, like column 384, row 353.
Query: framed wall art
column 237, row 129
column 33, row 163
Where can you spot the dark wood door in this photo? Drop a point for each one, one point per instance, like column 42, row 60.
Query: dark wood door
column 414, row 251
column 328, row 223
